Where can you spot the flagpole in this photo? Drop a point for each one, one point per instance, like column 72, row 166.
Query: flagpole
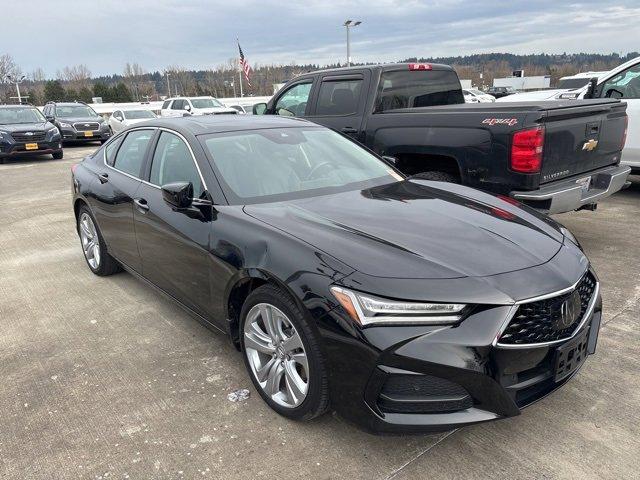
column 239, row 69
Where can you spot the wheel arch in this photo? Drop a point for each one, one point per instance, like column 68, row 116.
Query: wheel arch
column 240, row 287
column 413, row 163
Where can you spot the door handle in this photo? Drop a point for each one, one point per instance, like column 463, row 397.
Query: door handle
column 103, row 177
column 141, row 204
column 349, row 130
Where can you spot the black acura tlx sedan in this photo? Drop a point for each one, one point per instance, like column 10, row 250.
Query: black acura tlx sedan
column 405, row 305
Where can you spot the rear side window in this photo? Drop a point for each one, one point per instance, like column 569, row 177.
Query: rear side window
column 110, row 151
column 339, row 97
column 130, row 155
column 418, row 88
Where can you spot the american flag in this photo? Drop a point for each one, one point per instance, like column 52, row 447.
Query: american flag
column 244, row 65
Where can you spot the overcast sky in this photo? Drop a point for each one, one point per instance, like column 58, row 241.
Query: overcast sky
column 201, row 33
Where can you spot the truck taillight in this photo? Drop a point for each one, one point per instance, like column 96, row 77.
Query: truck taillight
column 624, row 135
column 526, row 150
column 420, row 66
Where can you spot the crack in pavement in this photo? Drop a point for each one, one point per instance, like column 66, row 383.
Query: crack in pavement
column 398, row 470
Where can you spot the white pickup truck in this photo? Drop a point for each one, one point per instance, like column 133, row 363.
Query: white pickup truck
column 622, row 82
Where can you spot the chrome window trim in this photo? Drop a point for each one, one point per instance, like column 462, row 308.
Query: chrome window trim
column 514, row 308
column 193, row 157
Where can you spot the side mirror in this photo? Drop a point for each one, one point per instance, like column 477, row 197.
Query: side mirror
column 259, row 108
column 50, row 118
column 187, row 107
column 179, row 195
column 591, row 88
column 613, row 93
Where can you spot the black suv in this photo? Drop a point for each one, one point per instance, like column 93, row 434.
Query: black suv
column 23, row 129
column 77, row 121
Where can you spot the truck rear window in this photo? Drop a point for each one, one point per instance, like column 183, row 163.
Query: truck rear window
column 422, row 88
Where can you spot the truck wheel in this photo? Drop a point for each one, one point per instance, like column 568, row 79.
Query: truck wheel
column 437, row 177
column 57, row 155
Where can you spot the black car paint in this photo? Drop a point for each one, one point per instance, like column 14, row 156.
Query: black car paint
column 208, row 258
column 456, row 138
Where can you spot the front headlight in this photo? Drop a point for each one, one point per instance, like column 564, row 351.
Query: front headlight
column 3, row 135
column 570, row 236
column 65, row 125
column 367, row 309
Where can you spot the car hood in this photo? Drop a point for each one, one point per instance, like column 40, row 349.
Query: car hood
column 418, row 229
column 73, row 120
column 25, row 127
column 214, row 110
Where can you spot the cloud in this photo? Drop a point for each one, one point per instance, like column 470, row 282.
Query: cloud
column 202, row 33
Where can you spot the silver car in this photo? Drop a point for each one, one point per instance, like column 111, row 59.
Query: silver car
column 121, row 119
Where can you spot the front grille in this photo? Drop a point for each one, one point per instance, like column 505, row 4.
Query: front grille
column 24, row 138
column 406, row 393
column 86, row 126
column 540, row 322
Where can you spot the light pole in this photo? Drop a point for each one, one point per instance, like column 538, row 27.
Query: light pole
column 350, row 24
column 168, row 86
column 17, row 81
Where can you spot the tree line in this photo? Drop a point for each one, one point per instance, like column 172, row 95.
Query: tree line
column 136, row 84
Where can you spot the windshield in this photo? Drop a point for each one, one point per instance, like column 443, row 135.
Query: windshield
column 205, row 103
column 270, row 165
column 138, row 114
column 71, row 111
column 475, row 92
column 9, row 116
column 418, row 88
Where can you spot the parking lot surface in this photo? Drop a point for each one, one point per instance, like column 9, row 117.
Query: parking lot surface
column 105, row 378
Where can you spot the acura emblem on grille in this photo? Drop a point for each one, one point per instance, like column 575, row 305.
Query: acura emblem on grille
column 569, row 311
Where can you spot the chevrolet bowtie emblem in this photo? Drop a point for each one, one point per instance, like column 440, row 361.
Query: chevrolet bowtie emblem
column 590, row 145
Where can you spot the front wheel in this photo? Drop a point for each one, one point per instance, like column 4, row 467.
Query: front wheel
column 57, row 155
column 282, row 354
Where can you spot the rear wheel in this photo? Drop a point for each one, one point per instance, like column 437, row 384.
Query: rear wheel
column 57, row 155
column 282, row 354
column 437, row 176
column 93, row 246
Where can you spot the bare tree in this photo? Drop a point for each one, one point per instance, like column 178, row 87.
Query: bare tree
column 133, row 73
column 77, row 75
column 38, row 75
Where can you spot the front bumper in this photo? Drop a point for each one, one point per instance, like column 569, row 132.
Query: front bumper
column 465, row 376
column 10, row 148
column 569, row 195
column 72, row 135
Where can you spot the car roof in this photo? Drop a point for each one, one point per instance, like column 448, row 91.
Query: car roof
column 17, row 106
column 206, row 124
column 386, row 67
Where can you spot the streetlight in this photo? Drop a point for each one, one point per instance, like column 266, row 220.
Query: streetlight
column 17, row 81
column 350, row 24
column 168, row 86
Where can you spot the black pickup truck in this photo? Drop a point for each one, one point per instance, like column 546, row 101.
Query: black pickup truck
column 554, row 156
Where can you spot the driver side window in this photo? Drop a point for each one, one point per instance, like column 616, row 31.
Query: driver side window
column 172, row 162
column 294, row 101
column 626, row 83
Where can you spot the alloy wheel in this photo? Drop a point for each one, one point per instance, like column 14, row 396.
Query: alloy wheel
column 276, row 355
column 90, row 240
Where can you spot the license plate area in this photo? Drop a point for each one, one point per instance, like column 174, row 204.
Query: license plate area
column 571, row 355
column 585, row 184
column 88, row 134
column 30, row 146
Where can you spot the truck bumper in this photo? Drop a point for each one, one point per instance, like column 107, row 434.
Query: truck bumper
column 569, row 195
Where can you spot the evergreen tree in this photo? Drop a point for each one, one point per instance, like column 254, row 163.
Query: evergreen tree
column 53, row 91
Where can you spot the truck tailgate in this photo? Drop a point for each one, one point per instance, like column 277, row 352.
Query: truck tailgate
column 581, row 137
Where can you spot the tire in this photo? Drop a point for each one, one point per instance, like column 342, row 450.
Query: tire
column 105, row 264
column 57, row 155
column 1, row 160
column 437, row 176
column 316, row 398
